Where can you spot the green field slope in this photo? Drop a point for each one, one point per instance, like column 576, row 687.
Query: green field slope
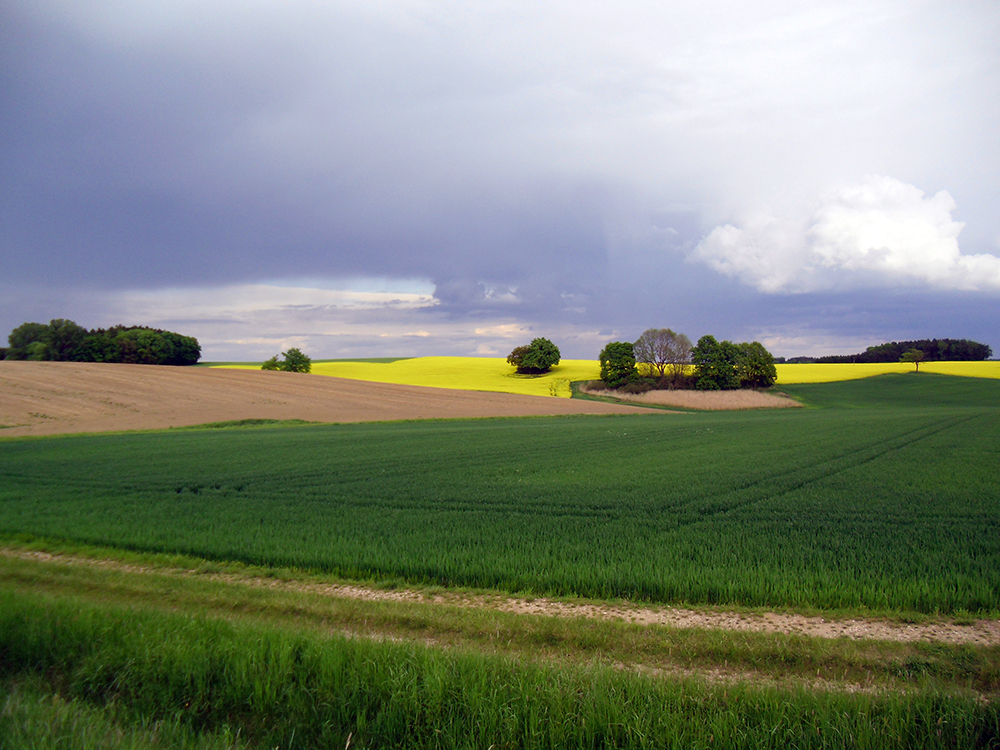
column 882, row 497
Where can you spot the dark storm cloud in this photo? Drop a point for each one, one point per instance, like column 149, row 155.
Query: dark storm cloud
column 145, row 167
column 571, row 166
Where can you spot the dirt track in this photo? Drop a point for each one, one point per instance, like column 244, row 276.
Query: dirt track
column 47, row 398
column 704, row 400
column 976, row 633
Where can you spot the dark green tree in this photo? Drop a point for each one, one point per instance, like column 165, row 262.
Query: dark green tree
column 291, row 361
column 618, row 364
column 755, row 366
column 541, row 355
column 22, row 337
column 62, row 339
column 715, row 364
column 187, row 350
column 97, row 346
column 296, row 361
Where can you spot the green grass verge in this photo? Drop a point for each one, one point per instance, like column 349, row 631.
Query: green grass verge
column 33, row 717
column 302, row 689
column 299, row 601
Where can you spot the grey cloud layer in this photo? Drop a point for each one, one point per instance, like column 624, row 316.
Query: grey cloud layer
column 554, row 164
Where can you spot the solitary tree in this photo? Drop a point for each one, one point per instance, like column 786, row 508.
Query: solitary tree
column 292, row 361
column 617, row 364
column 659, row 348
column 915, row 356
column 296, row 361
column 755, row 366
column 535, row 358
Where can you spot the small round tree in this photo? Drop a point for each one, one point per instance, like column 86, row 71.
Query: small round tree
column 541, row 355
column 914, row 356
column 296, row 361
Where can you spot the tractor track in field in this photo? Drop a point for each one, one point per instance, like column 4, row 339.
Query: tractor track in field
column 978, row 632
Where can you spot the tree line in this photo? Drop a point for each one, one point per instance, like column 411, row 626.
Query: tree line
column 661, row 358
column 64, row 341
column 934, row 350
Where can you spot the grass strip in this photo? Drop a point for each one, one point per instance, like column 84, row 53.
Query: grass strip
column 296, row 689
column 33, row 717
column 729, row 656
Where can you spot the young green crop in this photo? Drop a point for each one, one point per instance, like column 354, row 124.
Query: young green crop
column 890, row 504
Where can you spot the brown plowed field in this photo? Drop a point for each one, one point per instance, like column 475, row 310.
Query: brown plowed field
column 47, row 398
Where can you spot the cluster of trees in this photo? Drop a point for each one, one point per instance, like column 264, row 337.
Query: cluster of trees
column 291, row 361
column 662, row 355
column 541, row 355
column 64, row 341
column 723, row 365
column 934, row 350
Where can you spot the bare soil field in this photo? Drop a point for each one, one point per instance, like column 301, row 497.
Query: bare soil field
column 704, row 400
column 48, row 398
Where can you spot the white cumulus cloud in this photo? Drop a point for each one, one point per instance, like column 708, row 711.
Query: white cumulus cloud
column 881, row 232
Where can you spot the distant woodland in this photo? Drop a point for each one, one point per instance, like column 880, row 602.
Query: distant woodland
column 935, row 350
column 65, row 341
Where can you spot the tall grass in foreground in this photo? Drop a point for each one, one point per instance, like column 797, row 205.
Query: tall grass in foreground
column 31, row 717
column 302, row 690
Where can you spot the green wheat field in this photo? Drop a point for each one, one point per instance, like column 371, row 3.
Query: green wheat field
column 879, row 498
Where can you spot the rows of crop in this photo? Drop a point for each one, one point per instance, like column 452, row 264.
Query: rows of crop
column 881, row 508
column 276, row 688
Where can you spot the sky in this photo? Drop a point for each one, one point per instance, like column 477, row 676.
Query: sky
column 363, row 178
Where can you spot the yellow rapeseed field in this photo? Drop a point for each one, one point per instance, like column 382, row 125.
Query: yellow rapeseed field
column 464, row 373
column 827, row 373
column 494, row 374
